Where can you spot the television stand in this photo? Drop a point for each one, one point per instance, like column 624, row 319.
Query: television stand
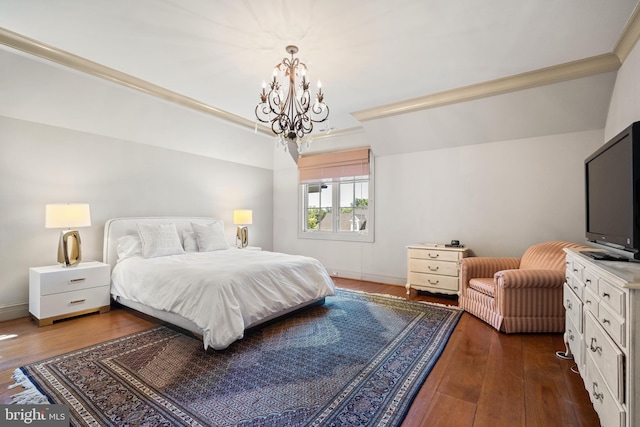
column 603, row 256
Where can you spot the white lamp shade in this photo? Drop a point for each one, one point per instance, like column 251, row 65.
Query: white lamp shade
column 67, row 215
column 243, row 216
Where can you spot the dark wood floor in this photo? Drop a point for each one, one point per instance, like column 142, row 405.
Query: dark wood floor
column 483, row 378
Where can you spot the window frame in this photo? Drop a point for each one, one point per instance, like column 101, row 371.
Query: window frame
column 335, row 234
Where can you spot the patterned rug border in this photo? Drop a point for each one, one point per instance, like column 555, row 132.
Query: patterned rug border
column 33, row 394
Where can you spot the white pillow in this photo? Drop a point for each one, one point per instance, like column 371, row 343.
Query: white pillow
column 210, row 237
column 159, row 240
column 189, row 241
column 129, row 246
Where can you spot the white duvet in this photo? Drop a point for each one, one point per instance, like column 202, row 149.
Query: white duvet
column 222, row 292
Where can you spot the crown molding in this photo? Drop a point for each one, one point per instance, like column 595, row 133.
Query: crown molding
column 629, row 36
column 59, row 56
column 337, row 133
column 558, row 73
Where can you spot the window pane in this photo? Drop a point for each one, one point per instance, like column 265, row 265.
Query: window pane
column 319, row 201
column 353, row 206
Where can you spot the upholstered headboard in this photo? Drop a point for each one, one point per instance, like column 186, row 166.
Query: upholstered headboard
column 118, row 227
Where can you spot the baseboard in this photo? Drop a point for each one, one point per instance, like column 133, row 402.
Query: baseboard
column 378, row 278
column 16, row 311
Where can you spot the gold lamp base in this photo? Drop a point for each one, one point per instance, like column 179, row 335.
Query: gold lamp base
column 242, row 237
column 69, row 249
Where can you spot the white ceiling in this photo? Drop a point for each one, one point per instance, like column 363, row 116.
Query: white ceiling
column 368, row 53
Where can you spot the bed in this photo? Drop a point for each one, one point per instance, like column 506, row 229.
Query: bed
column 205, row 286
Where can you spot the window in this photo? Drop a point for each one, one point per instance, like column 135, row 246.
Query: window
column 335, row 194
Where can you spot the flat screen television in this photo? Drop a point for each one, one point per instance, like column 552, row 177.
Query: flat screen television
column 612, row 177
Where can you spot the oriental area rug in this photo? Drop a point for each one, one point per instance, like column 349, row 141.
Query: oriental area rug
column 357, row 360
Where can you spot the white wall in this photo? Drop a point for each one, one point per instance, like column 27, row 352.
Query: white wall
column 42, row 164
column 624, row 108
column 497, row 198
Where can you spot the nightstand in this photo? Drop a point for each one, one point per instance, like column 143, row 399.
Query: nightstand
column 434, row 268
column 56, row 292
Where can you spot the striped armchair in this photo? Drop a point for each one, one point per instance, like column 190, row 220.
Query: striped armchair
column 517, row 294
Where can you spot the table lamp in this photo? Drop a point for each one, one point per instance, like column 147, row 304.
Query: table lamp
column 242, row 217
column 69, row 216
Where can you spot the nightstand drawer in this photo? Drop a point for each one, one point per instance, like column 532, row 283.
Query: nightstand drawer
column 53, row 279
column 447, row 268
column 74, row 301
column 435, row 255
column 434, row 281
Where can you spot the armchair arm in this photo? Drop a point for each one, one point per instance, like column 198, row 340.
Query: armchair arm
column 529, row 278
column 485, row 266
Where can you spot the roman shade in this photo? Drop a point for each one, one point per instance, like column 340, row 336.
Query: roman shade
column 333, row 166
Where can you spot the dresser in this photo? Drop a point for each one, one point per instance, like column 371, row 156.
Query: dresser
column 602, row 303
column 57, row 292
column 434, row 268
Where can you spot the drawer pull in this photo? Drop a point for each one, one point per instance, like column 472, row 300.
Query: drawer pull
column 588, row 301
column 434, row 283
column 569, row 306
column 596, row 395
column 432, row 256
column 575, row 288
column 575, row 270
column 588, row 280
column 605, row 321
column 78, row 301
column 595, row 348
column 81, row 279
column 605, row 295
column 433, row 269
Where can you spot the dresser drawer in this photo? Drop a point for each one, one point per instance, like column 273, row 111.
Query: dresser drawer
column 575, row 341
column 433, row 254
column 577, row 269
column 69, row 302
column 590, row 280
column 591, row 301
column 606, row 355
column 612, row 296
column 52, row 281
column 608, row 408
column 612, row 323
column 573, row 307
column 447, row 268
column 434, row 281
column 576, row 285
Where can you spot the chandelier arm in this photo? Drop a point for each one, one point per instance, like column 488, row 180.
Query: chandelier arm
column 321, row 111
column 263, row 112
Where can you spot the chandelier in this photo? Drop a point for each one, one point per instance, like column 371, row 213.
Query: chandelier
column 287, row 104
